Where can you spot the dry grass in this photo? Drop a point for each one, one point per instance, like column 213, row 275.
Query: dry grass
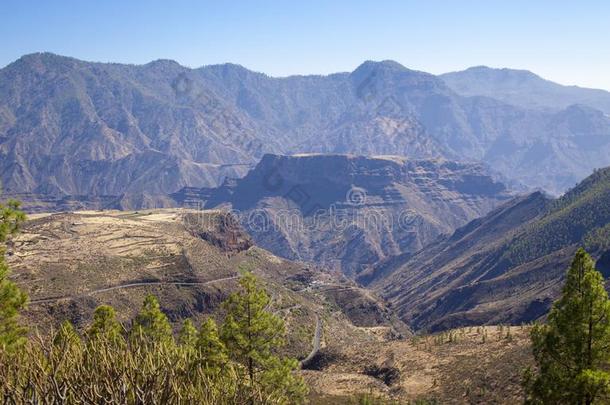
column 468, row 365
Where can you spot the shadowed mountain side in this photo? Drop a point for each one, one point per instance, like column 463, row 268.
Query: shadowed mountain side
column 505, row 267
column 347, row 212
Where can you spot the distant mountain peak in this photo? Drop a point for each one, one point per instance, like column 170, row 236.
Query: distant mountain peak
column 44, row 57
column 163, row 62
column 386, row 63
column 487, row 72
column 523, row 88
column 372, row 77
column 227, row 66
column 231, row 70
column 389, row 66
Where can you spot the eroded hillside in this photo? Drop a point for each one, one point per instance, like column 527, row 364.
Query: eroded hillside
column 350, row 342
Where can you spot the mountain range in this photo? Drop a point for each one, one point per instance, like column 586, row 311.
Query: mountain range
column 69, row 127
column 373, row 206
column 447, row 159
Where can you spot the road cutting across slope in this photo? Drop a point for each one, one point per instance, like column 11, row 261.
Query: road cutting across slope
column 130, row 285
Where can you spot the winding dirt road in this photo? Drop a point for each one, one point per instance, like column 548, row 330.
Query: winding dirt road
column 130, row 285
column 317, row 336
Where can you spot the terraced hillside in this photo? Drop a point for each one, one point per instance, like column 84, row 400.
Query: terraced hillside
column 71, row 263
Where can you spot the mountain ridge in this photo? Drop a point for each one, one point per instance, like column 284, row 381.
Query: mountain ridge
column 62, row 118
column 507, row 266
column 525, row 88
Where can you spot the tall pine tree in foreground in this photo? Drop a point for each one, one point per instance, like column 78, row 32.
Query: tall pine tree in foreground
column 212, row 352
column 187, row 337
column 105, row 325
column 12, row 299
column 572, row 350
column 252, row 336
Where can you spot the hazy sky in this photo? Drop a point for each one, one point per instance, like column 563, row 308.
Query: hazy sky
column 565, row 41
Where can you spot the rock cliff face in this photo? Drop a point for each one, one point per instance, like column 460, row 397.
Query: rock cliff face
column 221, row 230
column 347, row 211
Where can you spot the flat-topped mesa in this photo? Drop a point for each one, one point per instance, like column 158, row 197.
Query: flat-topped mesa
column 348, row 211
column 375, row 174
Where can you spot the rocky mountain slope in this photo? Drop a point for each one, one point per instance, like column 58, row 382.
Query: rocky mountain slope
column 69, row 127
column 347, row 212
column 78, row 128
column 524, row 88
column 505, row 267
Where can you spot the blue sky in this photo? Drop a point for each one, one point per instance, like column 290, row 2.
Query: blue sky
column 565, row 41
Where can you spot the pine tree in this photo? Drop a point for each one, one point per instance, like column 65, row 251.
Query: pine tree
column 249, row 331
column 104, row 325
column 212, row 351
column 12, row 299
column 151, row 324
column 66, row 335
column 251, row 335
column 279, row 377
column 67, row 342
column 572, row 349
column 188, row 334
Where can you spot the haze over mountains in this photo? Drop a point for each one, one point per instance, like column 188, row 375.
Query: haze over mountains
column 524, row 88
column 69, row 127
